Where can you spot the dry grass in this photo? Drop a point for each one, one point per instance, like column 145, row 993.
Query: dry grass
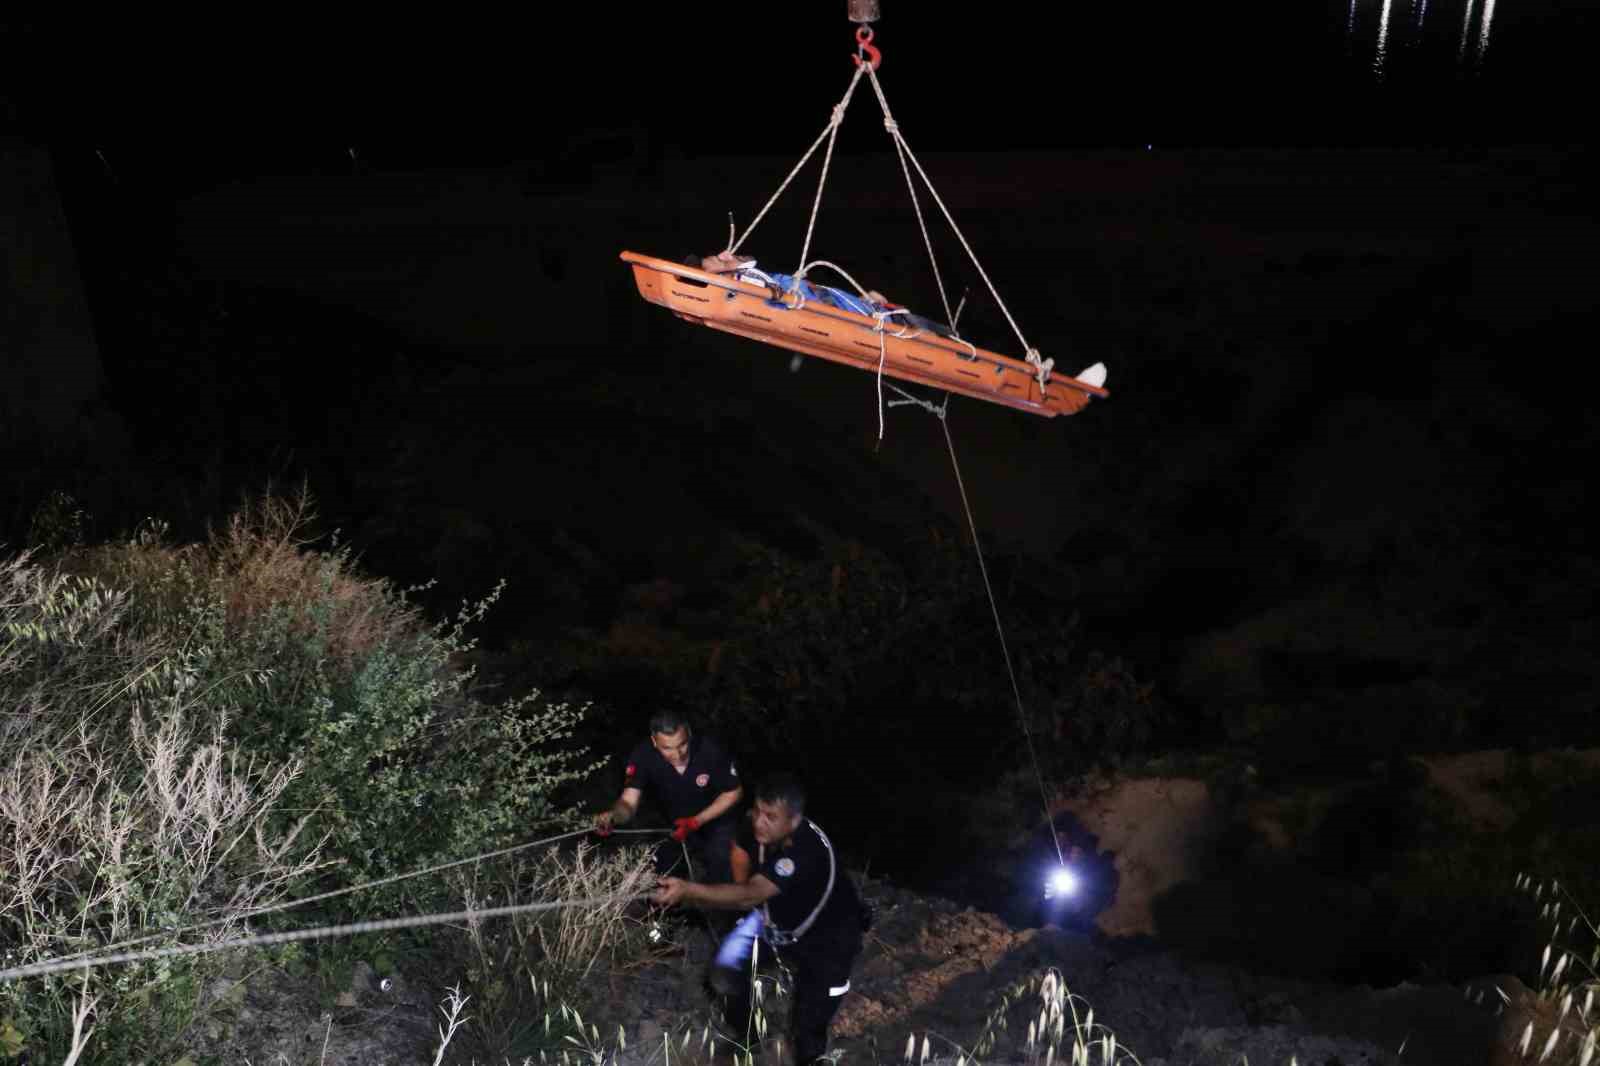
column 263, row 551
column 517, row 968
column 1062, row 1030
column 257, row 563
column 1560, row 1024
column 121, row 815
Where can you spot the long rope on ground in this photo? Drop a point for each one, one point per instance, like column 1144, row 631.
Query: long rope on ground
column 40, row 969
column 994, row 609
column 308, row 900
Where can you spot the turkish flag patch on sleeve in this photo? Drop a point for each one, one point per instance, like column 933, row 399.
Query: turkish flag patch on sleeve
column 630, row 771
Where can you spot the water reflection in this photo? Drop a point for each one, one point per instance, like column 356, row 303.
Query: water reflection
column 1483, row 31
column 1383, row 40
column 1410, row 33
column 1466, row 28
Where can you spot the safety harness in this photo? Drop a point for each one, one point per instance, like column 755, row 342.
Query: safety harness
column 780, row 938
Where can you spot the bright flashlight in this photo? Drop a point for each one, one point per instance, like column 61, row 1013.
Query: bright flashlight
column 1062, row 882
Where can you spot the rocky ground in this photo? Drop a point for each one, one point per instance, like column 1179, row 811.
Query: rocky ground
column 938, row 971
column 930, row 970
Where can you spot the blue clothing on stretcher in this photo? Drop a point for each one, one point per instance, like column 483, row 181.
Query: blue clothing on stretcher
column 846, row 301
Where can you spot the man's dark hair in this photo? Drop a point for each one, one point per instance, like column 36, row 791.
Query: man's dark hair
column 785, row 789
column 668, row 721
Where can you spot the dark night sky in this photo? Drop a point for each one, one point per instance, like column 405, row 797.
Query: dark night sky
column 186, row 102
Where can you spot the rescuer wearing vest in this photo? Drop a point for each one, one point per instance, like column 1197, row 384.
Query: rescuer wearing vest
column 807, row 908
column 697, row 783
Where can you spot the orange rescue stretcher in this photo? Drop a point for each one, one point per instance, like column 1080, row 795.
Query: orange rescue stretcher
column 785, row 318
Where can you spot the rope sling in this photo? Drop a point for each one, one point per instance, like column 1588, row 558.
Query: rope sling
column 868, row 67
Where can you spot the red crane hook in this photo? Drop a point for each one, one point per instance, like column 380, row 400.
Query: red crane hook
column 864, row 44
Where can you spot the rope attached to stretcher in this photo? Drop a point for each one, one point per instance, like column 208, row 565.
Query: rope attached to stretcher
column 829, row 133
column 1016, row 690
column 903, row 148
column 1042, row 367
column 880, row 314
column 908, row 159
column 940, row 412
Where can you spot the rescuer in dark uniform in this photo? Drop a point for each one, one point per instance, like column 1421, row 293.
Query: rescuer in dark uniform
column 697, row 783
column 809, row 909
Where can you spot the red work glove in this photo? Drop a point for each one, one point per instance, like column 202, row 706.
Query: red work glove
column 682, row 827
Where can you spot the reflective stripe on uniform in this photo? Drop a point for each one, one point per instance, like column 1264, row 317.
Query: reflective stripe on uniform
column 840, row 990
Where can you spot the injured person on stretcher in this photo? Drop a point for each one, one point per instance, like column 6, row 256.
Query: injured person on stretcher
column 896, row 317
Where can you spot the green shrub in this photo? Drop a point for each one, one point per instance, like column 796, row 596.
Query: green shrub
column 403, row 765
column 190, row 731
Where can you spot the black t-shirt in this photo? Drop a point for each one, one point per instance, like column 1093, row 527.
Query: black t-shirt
column 710, row 773
column 800, row 871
